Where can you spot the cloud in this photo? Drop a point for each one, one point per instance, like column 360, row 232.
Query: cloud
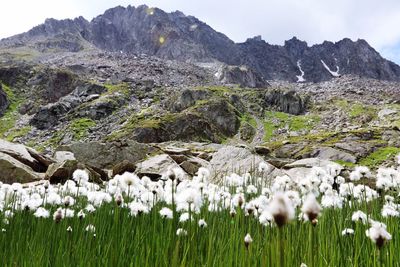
column 275, row 20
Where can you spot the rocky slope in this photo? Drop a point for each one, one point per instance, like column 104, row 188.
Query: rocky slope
column 179, row 37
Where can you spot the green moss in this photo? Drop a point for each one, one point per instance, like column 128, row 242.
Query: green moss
column 247, row 118
column 18, row 132
column 358, row 110
column 7, row 122
column 122, row 88
column 379, row 156
column 79, row 127
column 218, row 90
column 345, row 163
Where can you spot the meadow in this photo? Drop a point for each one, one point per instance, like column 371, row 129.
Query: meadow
column 249, row 220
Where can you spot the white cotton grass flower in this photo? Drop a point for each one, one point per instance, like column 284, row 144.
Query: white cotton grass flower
column 58, row 215
column 311, row 208
column 42, row 213
column 181, row 232
column 80, row 176
column 359, row 216
column 3, row 230
column 266, row 218
column 166, row 213
column 248, row 240
column 378, row 235
column 347, row 231
column 68, row 201
column 81, row 214
column 281, row 209
column 90, row 228
column 251, row 189
column 69, row 229
column 202, row 223
column 184, row 217
column 263, row 167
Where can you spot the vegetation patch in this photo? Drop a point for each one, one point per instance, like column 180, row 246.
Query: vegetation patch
column 378, row 157
column 7, row 122
column 17, row 132
column 122, row 88
column 80, row 127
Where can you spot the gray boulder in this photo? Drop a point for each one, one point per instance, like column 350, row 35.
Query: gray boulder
column 14, row 171
column 288, row 102
column 156, row 166
column 329, row 153
column 242, row 75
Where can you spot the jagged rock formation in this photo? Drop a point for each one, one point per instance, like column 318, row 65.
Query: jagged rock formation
column 3, row 101
column 241, row 75
column 179, row 37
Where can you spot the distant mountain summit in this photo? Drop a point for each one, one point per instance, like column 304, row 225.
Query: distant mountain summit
column 175, row 36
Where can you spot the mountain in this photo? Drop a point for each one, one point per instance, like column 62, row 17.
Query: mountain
column 175, row 36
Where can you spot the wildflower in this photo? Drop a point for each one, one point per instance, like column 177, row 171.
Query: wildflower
column 348, row 231
column 42, row 213
column 184, row 217
column 202, row 223
column 119, row 200
column 90, row 208
column 181, row 232
column 378, row 235
column 58, row 215
column 137, row 208
column 81, row 214
column 3, row 230
column 166, row 213
column 359, row 216
column 266, row 218
column 69, row 229
column 263, row 167
column 281, row 209
column 80, row 176
column 303, row 265
column 90, row 228
column 8, row 214
column 69, row 201
column 311, row 208
column 247, row 240
column 251, row 189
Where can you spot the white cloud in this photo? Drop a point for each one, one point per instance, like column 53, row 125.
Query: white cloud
column 276, row 20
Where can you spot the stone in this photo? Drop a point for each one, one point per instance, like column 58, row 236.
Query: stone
column 122, row 167
column 14, row 171
column 154, row 167
column 329, row 153
column 61, row 156
column 286, row 101
column 311, row 162
column 242, row 75
column 262, row 150
column 4, row 103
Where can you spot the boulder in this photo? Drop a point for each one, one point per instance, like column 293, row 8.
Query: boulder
column 156, row 166
column 187, row 99
column 241, row 75
column 25, row 155
column 286, row 101
column 329, row 153
column 192, row 165
column 122, row 167
column 107, row 155
column 14, row 171
column 61, row 156
column 230, row 159
column 4, row 103
column 311, row 162
column 59, row 172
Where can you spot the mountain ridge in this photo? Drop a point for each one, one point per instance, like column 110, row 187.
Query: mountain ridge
column 175, row 36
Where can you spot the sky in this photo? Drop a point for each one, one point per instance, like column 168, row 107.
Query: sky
column 313, row 21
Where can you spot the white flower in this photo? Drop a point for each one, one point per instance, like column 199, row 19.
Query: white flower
column 58, row 215
column 378, row 235
column 202, row 223
column 263, row 167
column 80, row 176
column 81, row 214
column 247, row 240
column 166, row 213
column 348, row 231
column 359, row 216
column 251, row 189
column 311, row 208
column 69, row 201
column 281, row 209
column 8, row 214
column 181, row 232
column 42, row 213
column 266, row 218
column 184, row 217
column 90, row 228
column 69, row 229
column 137, row 208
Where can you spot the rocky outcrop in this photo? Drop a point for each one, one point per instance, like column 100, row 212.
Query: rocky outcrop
column 156, row 166
column 241, row 75
column 288, row 102
column 4, row 103
column 14, row 171
column 187, row 98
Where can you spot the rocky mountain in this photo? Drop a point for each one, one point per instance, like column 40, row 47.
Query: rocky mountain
column 179, row 37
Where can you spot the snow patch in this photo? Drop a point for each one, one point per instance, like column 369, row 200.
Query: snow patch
column 333, row 73
column 300, row 78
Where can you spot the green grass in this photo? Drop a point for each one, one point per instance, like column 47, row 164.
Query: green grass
column 247, row 118
column 8, row 120
column 18, row 132
column 381, row 155
column 80, row 127
column 359, row 109
column 122, row 88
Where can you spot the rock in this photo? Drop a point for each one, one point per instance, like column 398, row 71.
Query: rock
column 122, row 167
column 241, row 75
column 24, row 155
column 289, row 150
column 279, row 163
column 61, row 156
column 4, row 103
column 14, row 171
column 230, row 159
column 328, row 153
column 61, row 171
column 311, row 162
column 187, row 99
column 288, row 102
column 192, row 165
column 179, row 158
column 262, row 150
column 156, row 166
column 247, row 131
column 175, row 150
column 359, row 149
column 107, row 155
column 386, row 112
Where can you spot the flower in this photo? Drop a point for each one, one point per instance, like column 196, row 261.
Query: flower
column 359, row 216
column 247, row 240
column 181, row 232
column 80, row 176
column 166, row 213
column 311, row 208
column 90, row 228
column 202, row 223
column 348, row 231
column 58, row 215
column 69, row 229
column 378, row 235
column 281, row 209
column 42, row 213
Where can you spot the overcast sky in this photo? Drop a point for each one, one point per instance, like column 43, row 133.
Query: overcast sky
column 377, row 21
